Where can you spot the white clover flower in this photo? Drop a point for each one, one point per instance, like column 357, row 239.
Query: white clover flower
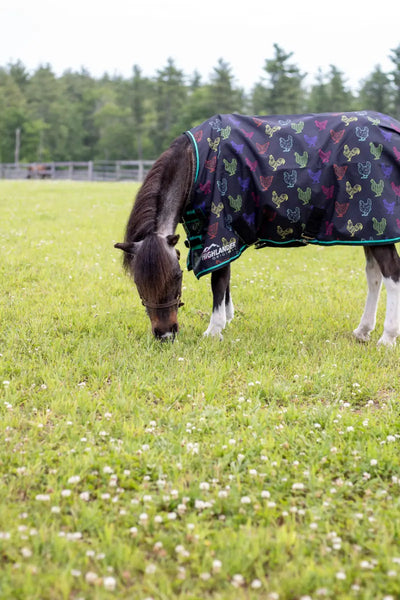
column 43, row 497
column 151, row 569
column 109, row 583
column 216, row 566
column 265, row 494
column 256, row 584
column 74, row 479
column 373, row 462
column 237, row 580
column 245, row 500
column 76, row 573
column 204, row 485
column 65, row 493
column 341, row 575
column 91, row 577
column 172, row 516
column 143, row 518
column 26, row 552
column 298, row 486
column 74, row 536
column 85, row 496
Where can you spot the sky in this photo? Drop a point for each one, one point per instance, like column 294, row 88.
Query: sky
column 355, row 36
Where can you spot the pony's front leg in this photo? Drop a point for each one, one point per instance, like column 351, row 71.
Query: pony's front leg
column 374, row 281
column 222, row 303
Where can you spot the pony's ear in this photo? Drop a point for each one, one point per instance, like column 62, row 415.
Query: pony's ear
column 172, row 239
column 128, row 247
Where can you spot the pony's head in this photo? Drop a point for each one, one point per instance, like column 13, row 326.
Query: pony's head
column 154, row 265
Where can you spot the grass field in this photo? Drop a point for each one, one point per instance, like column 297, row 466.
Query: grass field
column 265, row 466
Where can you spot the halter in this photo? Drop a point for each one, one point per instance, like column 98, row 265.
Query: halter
column 176, row 302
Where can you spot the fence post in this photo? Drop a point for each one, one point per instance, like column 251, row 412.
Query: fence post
column 90, row 170
column 141, row 171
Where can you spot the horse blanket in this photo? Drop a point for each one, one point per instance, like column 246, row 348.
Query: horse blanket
column 330, row 178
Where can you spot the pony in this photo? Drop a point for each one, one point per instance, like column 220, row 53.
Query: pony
column 235, row 181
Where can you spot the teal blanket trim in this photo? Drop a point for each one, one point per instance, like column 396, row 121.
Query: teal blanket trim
column 196, row 150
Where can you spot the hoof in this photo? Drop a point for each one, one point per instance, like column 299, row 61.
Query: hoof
column 214, row 332
column 361, row 336
column 387, row 340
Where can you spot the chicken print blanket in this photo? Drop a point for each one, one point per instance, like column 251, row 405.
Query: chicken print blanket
column 330, row 178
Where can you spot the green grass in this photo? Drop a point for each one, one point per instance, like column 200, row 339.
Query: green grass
column 134, row 469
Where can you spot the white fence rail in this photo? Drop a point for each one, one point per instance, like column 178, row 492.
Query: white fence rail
column 119, row 170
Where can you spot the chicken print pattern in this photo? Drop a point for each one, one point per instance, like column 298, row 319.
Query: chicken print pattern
column 330, row 178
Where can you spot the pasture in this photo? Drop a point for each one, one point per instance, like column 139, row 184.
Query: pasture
column 265, row 466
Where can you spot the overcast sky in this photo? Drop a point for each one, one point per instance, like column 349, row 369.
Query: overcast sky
column 112, row 36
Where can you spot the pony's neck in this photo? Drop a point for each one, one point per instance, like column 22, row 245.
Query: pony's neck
column 176, row 187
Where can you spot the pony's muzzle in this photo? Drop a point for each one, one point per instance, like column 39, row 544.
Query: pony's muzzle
column 167, row 335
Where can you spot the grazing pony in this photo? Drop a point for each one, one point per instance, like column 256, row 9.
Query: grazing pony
column 236, row 181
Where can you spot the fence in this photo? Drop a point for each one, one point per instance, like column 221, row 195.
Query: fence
column 119, row 170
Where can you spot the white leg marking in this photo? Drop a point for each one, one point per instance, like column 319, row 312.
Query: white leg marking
column 391, row 328
column 217, row 321
column 230, row 310
column 368, row 319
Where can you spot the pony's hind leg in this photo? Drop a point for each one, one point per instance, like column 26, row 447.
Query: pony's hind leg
column 389, row 264
column 222, row 303
column 374, row 282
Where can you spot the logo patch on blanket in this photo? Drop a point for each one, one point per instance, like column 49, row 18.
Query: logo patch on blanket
column 288, row 180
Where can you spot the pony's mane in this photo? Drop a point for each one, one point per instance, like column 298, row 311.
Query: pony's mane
column 142, row 221
column 153, row 267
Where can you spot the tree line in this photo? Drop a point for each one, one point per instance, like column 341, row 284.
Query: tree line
column 75, row 117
